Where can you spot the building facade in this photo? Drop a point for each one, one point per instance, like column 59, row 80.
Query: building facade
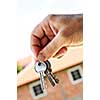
column 70, row 86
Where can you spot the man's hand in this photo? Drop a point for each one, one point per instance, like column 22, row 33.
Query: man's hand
column 54, row 34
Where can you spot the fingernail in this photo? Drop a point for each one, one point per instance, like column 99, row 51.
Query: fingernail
column 58, row 56
column 41, row 57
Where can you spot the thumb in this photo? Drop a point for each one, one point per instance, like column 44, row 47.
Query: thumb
column 52, row 48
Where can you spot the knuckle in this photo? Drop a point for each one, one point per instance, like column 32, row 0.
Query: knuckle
column 51, row 16
column 66, row 32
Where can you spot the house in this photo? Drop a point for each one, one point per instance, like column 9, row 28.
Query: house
column 68, row 70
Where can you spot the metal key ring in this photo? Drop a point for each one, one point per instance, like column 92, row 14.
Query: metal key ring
column 40, row 64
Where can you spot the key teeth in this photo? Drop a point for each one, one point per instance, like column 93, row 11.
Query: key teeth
column 57, row 81
column 53, row 85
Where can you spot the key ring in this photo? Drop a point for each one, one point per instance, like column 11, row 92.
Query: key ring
column 40, row 65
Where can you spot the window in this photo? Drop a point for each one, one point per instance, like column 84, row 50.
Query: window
column 36, row 90
column 75, row 74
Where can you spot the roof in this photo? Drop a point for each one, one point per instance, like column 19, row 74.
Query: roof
column 72, row 57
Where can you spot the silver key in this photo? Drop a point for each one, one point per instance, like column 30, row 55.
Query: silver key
column 40, row 67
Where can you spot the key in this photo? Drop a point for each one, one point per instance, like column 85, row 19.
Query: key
column 54, row 77
column 50, row 70
column 49, row 78
column 45, row 68
column 40, row 67
column 53, row 80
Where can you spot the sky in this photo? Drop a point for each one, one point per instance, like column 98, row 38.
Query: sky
column 31, row 12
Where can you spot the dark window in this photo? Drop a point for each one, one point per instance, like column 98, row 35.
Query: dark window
column 37, row 90
column 76, row 75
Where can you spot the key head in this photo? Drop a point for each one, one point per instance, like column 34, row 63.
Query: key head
column 40, row 67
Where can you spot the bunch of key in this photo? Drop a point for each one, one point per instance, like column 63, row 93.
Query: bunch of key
column 44, row 68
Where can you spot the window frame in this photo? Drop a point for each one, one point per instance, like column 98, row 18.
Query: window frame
column 77, row 67
column 33, row 84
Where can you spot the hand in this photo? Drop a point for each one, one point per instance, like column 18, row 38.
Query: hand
column 54, row 34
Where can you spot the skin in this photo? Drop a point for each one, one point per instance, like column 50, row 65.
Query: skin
column 53, row 36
